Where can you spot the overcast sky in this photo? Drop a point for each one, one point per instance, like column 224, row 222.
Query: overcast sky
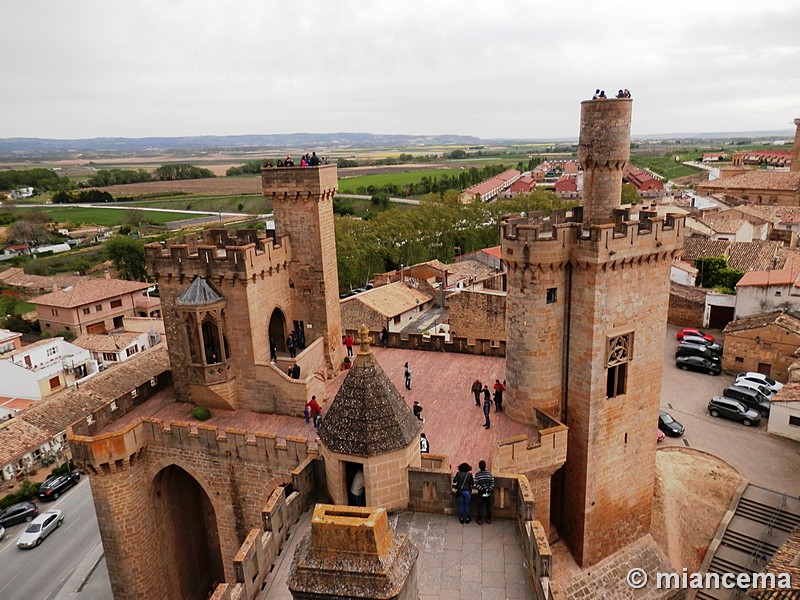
column 89, row 68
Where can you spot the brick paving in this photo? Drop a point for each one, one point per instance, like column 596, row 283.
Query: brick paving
column 441, row 383
column 456, row 562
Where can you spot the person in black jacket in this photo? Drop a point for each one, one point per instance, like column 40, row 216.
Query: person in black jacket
column 463, row 484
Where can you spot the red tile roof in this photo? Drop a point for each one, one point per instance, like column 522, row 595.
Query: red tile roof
column 765, row 278
column 89, row 292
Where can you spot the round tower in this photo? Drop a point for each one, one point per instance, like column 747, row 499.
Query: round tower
column 535, row 309
column 795, row 167
column 603, row 150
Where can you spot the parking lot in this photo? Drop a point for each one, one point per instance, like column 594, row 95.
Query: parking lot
column 764, row 459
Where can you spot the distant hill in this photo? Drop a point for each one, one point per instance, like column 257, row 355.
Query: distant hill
column 20, row 148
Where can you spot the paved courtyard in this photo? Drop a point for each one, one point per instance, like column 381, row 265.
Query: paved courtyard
column 456, row 562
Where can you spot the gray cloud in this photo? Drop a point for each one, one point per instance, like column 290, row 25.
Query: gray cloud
column 503, row 69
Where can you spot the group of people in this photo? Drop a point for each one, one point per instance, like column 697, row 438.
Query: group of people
column 601, row 94
column 483, row 483
column 479, row 389
column 307, row 160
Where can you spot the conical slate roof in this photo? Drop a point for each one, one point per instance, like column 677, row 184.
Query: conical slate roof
column 200, row 292
column 368, row 416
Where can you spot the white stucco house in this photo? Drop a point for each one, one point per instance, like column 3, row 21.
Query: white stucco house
column 43, row 368
column 784, row 416
column 760, row 292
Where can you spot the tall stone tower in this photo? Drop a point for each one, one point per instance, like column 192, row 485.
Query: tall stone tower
column 586, row 318
column 302, row 202
column 795, row 168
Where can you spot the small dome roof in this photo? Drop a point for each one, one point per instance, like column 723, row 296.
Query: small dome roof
column 199, row 292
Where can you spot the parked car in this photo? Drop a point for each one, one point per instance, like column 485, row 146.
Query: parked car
column 659, row 436
column 695, row 332
column 52, row 488
column 701, row 341
column 17, row 513
column 755, row 386
column 698, row 363
column 38, row 529
column 2, row 532
column 669, row 425
column 764, row 380
column 750, row 398
column 696, row 350
column 729, row 408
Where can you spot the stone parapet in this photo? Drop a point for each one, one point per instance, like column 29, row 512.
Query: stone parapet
column 219, row 255
column 111, row 452
column 299, row 183
column 547, row 451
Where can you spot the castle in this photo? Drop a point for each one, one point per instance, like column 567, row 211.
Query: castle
column 187, row 508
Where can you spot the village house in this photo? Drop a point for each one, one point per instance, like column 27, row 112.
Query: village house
column 43, row 368
column 17, row 278
column 394, row 306
column 641, row 180
column 488, row 190
column 784, row 416
column 761, row 292
column 9, row 341
column 764, row 343
column 94, row 306
column 112, row 348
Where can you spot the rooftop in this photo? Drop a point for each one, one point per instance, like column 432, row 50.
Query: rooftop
column 110, row 342
column 758, row 180
column 390, row 300
column 199, row 292
column 781, row 319
column 16, row 277
column 766, row 278
column 88, row 292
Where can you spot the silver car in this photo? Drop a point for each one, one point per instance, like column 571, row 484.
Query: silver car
column 761, row 379
column 40, row 528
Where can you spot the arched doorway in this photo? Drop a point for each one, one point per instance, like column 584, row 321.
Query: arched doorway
column 277, row 329
column 188, row 532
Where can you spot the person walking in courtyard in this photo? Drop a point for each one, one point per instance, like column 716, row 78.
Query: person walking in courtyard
column 499, row 388
column 463, row 483
column 477, row 386
column 424, row 446
column 417, row 410
column 291, row 346
column 407, row 375
column 315, row 410
column 487, row 407
column 484, row 481
column 348, row 342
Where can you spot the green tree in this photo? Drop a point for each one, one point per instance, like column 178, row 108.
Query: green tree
column 629, row 194
column 128, row 256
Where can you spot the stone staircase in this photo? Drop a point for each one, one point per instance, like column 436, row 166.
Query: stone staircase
column 749, row 535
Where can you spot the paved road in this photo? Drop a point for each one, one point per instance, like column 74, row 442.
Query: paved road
column 764, row 459
column 57, row 568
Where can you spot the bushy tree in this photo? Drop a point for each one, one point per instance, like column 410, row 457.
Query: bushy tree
column 128, row 256
column 28, row 232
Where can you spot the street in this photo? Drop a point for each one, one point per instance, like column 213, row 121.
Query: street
column 58, row 567
column 764, row 459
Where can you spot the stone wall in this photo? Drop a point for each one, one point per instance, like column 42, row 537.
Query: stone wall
column 438, row 343
column 770, row 345
column 356, row 313
column 478, row 315
column 686, row 306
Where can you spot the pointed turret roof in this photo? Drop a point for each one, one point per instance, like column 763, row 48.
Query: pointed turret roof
column 200, row 292
column 368, row 416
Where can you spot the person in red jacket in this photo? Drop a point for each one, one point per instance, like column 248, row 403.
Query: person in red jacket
column 499, row 388
column 348, row 342
column 315, row 410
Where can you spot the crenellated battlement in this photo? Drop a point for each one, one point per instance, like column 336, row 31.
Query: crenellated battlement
column 117, row 450
column 287, row 184
column 241, row 254
column 534, row 239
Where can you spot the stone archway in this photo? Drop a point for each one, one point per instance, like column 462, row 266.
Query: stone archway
column 277, row 329
column 187, row 525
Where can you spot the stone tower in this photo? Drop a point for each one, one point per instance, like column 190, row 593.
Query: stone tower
column 586, row 317
column 369, row 427
column 795, row 167
column 227, row 295
column 302, row 203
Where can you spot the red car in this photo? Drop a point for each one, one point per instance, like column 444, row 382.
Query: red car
column 692, row 331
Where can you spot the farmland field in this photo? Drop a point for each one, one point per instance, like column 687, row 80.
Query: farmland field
column 253, row 204
column 666, row 166
column 212, row 186
column 349, row 185
column 107, row 216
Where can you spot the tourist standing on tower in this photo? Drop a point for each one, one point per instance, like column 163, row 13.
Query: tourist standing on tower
column 499, row 388
column 424, row 445
column 463, row 484
column 407, row 375
column 417, row 410
column 487, row 406
column 484, row 481
column 348, row 342
column 315, row 410
column 291, row 346
column 477, row 386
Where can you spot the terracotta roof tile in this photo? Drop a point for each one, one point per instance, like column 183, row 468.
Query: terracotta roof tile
column 785, row 560
column 745, row 256
column 390, row 300
column 722, row 223
column 88, row 292
column 106, row 342
column 790, row 392
column 765, row 278
column 16, row 277
column 781, row 319
column 758, row 180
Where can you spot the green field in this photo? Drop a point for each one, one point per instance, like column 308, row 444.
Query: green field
column 107, row 216
column 349, row 185
column 253, row 204
column 666, row 166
